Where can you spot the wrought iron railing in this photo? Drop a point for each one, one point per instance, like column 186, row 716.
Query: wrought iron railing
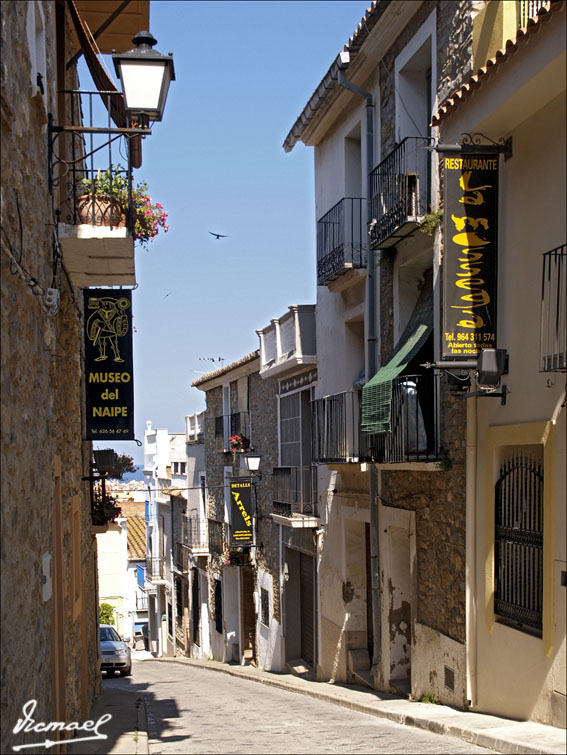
column 553, row 339
column 141, row 602
column 518, row 563
column 335, row 433
column 194, row 532
column 414, row 421
column 229, row 425
column 342, row 240
column 295, row 490
column 400, row 188
column 216, row 537
column 83, row 161
column 529, row 9
column 155, row 568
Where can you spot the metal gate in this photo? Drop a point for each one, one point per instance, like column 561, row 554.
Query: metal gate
column 306, row 593
column 519, row 542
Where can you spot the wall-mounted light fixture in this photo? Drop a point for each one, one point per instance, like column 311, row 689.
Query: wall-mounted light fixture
column 145, row 75
column 252, row 462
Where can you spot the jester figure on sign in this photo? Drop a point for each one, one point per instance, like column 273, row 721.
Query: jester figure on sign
column 107, row 324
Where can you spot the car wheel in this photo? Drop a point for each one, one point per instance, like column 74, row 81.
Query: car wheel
column 126, row 671
column 110, row 672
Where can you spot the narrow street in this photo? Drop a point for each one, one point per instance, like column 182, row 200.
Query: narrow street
column 194, row 710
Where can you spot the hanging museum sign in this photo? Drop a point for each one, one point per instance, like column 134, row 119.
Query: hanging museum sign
column 471, row 254
column 242, row 530
column 109, row 373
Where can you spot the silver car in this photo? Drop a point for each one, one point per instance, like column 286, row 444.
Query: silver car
column 114, row 653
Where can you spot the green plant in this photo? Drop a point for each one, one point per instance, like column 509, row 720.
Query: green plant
column 429, row 697
column 105, row 614
column 430, row 222
column 445, row 465
column 149, row 216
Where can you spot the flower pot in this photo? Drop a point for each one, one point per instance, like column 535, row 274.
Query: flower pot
column 98, row 208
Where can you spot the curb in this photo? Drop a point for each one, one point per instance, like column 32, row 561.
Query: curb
column 503, row 742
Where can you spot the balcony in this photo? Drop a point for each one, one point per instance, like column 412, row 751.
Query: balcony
column 413, row 419
column 155, row 570
column 553, row 338
column 195, row 535
column 337, row 435
column 288, row 343
column 228, row 425
column 341, row 240
column 141, row 602
column 336, row 428
column 94, row 229
column 400, row 189
column 295, row 496
column 529, row 9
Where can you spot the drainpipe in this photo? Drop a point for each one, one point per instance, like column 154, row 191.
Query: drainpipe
column 343, row 60
column 472, row 597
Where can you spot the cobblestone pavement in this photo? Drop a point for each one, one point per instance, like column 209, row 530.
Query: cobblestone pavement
column 195, row 710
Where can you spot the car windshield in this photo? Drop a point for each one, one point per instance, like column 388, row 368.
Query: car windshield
column 109, row 634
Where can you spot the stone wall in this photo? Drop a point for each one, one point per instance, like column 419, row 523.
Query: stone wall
column 262, row 406
column 42, row 414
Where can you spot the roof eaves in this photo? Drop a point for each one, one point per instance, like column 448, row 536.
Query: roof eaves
column 511, row 46
column 228, row 368
column 329, row 81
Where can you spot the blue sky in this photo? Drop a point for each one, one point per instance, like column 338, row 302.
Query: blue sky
column 244, row 71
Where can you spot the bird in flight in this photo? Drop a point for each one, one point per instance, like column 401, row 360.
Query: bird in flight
column 218, row 235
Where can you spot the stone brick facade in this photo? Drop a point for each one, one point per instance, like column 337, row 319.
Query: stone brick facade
column 49, row 626
column 261, row 405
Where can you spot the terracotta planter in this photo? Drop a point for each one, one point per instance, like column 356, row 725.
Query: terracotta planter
column 99, row 206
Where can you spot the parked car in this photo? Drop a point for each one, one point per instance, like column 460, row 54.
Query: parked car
column 115, row 655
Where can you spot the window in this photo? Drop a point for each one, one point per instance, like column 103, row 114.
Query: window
column 518, row 562
column 179, row 467
column 36, row 45
column 290, row 430
column 264, row 607
column 218, row 605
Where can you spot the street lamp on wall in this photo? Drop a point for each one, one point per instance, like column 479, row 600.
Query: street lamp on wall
column 145, row 75
column 252, row 462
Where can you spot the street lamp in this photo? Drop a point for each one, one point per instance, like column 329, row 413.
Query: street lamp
column 252, row 462
column 145, row 75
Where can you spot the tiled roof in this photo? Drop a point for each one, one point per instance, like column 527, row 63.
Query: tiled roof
column 136, row 532
column 484, row 73
column 229, row 367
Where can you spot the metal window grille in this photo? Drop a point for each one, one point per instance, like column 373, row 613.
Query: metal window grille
column 519, row 542
column 553, row 339
column 265, row 607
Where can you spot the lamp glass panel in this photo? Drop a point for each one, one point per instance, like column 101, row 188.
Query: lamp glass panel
column 252, row 462
column 142, row 85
